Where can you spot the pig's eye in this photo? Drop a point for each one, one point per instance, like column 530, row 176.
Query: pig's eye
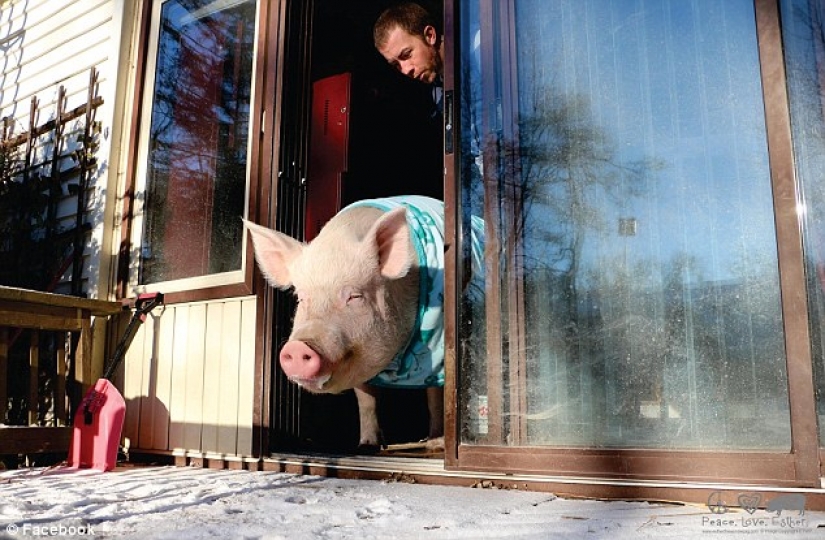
column 355, row 298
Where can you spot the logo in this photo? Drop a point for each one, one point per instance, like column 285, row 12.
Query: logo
column 794, row 501
column 715, row 503
column 749, row 501
column 770, row 519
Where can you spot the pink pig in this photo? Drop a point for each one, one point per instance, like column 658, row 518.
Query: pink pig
column 360, row 286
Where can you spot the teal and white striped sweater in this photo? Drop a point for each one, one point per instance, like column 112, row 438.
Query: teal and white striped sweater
column 420, row 364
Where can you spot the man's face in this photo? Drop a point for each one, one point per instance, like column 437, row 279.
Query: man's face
column 416, row 57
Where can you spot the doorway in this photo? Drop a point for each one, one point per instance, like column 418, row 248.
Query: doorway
column 392, row 145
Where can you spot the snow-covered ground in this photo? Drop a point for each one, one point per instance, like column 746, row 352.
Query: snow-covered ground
column 174, row 503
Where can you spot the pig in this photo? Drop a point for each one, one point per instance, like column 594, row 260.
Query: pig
column 370, row 304
column 793, row 501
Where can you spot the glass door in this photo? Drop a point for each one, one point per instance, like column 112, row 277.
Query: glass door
column 627, row 318
column 802, row 24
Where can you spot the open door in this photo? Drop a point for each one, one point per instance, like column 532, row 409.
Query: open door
column 352, row 129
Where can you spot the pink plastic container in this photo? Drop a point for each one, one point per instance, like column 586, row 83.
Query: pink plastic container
column 98, row 425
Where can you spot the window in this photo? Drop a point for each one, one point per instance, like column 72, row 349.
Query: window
column 617, row 153
column 195, row 145
column 803, row 23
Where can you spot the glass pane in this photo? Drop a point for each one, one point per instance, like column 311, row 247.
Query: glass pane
column 616, row 150
column 803, row 24
column 197, row 148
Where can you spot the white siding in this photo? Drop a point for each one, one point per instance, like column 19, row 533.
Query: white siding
column 47, row 44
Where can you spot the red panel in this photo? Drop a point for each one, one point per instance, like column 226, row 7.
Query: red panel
column 328, row 149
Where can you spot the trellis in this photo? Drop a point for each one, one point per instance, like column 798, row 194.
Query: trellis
column 45, row 360
column 32, row 180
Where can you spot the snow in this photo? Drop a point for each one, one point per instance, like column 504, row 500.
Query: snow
column 180, row 502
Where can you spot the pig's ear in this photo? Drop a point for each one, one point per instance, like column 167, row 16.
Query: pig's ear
column 274, row 252
column 392, row 238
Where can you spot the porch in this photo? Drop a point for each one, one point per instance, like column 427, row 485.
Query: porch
column 47, row 363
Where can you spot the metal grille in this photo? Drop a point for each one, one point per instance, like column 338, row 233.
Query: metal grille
column 291, row 210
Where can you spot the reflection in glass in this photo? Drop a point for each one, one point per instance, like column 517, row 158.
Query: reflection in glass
column 197, row 148
column 630, row 296
column 803, row 24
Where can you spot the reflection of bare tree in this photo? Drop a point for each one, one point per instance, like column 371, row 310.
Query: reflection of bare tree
column 571, row 176
column 555, row 174
column 668, row 331
column 197, row 146
column 548, row 184
column 569, row 171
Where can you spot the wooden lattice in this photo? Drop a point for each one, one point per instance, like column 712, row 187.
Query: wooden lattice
column 46, row 167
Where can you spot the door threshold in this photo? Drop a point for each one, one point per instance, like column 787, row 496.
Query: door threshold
column 432, row 471
column 419, row 470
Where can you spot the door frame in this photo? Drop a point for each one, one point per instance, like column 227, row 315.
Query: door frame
column 800, row 466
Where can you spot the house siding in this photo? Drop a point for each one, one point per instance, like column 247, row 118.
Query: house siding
column 46, row 45
column 188, row 375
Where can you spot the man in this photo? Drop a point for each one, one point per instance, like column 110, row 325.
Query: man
column 407, row 38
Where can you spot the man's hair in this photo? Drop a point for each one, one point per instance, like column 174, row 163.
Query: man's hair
column 409, row 16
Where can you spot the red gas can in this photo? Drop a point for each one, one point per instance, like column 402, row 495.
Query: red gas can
column 97, row 428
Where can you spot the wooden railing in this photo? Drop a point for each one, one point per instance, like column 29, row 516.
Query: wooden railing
column 53, row 334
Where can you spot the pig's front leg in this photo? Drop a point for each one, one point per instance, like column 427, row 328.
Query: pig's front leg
column 435, row 406
column 370, row 436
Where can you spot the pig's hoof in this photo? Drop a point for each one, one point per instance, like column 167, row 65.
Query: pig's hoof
column 435, row 444
column 368, row 449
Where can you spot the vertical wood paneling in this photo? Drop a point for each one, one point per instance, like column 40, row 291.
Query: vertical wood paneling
column 195, row 357
column 179, row 362
column 133, row 384
column 189, row 379
column 211, row 376
column 147, row 388
column 163, row 385
column 246, row 379
column 228, row 396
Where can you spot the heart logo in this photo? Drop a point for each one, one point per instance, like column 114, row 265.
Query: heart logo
column 750, row 501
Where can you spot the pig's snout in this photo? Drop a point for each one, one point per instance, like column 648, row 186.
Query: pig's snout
column 302, row 364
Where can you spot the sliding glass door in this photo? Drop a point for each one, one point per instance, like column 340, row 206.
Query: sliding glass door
column 629, row 299
column 803, row 23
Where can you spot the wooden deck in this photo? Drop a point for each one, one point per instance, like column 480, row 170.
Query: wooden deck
column 70, row 320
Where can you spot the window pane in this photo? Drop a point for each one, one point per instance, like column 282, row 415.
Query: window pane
column 803, row 24
column 197, row 148
column 630, row 298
